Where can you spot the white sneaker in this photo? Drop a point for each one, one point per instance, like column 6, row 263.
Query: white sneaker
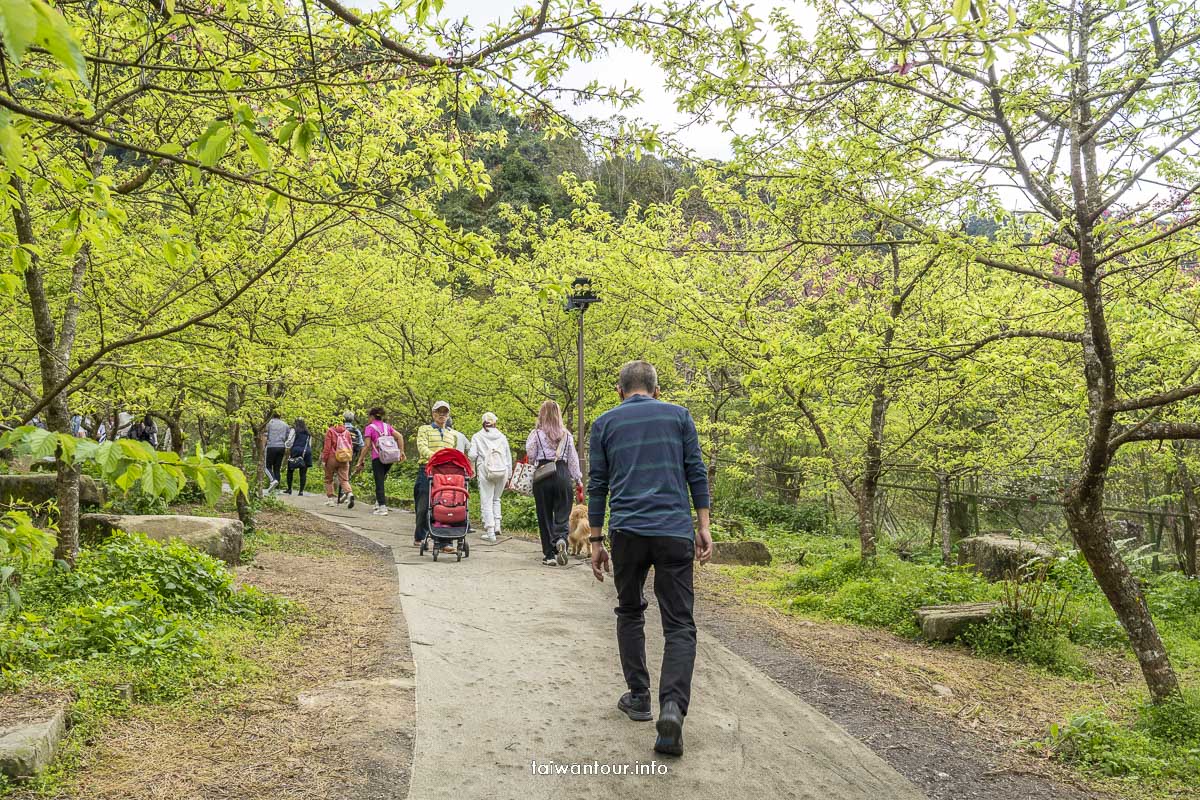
column 489, row 537
column 331, row 502
column 383, row 511
column 272, row 484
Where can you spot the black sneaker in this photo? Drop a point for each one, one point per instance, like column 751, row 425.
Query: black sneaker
column 636, row 706
column 350, row 502
column 670, row 730
column 341, row 496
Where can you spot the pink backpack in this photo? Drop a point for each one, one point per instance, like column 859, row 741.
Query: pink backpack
column 386, row 448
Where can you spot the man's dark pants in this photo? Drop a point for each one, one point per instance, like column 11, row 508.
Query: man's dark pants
column 275, row 462
column 421, row 503
column 671, row 557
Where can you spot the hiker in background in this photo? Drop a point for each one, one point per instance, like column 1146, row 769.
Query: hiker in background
column 124, row 425
column 492, row 456
column 646, row 467
column 77, row 425
column 356, row 437
column 551, row 450
column 336, row 454
column 461, row 443
column 145, row 431
column 300, row 455
column 438, row 435
column 277, row 434
column 386, row 448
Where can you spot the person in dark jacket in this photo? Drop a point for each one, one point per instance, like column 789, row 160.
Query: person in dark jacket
column 300, row 455
column 646, row 467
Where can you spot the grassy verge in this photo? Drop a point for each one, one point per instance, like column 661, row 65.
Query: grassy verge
column 135, row 624
column 1055, row 629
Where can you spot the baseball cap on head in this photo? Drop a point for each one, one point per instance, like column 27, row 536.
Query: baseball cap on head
column 489, row 418
column 441, row 404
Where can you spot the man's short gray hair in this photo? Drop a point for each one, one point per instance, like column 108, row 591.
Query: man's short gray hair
column 638, row 376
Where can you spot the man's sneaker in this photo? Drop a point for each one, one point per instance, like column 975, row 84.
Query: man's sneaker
column 550, row 562
column 330, row 502
column 636, row 706
column 301, row 493
column 670, row 730
column 341, row 496
column 383, row 511
column 560, row 552
column 272, row 484
column 350, row 500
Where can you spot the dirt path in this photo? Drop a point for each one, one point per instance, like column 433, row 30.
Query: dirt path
column 516, row 673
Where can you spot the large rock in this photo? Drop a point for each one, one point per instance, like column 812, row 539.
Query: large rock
column 36, row 489
column 743, row 553
column 217, row 536
column 26, row 749
column 998, row 557
column 947, row 623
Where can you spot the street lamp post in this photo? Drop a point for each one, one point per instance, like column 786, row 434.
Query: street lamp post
column 579, row 299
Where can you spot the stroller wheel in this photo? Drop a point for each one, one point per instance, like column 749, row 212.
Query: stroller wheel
column 435, row 553
column 424, row 545
column 458, row 556
column 466, row 549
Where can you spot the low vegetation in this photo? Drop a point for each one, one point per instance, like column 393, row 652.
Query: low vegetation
column 1055, row 621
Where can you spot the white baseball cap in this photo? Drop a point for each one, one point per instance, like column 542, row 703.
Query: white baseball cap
column 441, row 404
column 489, row 417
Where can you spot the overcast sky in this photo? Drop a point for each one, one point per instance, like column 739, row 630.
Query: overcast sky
column 618, row 67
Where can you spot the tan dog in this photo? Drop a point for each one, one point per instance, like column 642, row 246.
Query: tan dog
column 579, row 531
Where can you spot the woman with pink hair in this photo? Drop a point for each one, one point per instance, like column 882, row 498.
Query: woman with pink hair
column 550, row 443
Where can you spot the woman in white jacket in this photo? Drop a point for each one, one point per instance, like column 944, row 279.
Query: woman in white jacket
column 493, row 460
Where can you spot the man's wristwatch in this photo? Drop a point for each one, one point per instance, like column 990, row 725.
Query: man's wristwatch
column 599, row 538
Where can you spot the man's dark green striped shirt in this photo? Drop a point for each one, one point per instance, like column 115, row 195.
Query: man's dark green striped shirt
column 645, row 463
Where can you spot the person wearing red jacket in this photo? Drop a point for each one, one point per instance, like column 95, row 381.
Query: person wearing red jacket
column 338, row 438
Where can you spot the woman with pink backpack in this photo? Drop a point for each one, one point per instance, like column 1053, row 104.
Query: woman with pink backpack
column 336, row 454
column 386, row 447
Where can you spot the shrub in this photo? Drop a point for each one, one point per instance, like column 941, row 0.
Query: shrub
column 519, row 513
column 796, row 518
column 884, row 592
column 1027, row 639
column 1164, row 742
column 1173, row 596
column 129, row 597
column 1176, row 721
column 1094, row 741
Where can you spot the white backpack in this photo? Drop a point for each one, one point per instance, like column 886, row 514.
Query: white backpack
column 495, row 466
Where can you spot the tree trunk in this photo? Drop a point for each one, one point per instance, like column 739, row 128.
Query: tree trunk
column 1085, row 520
column 233, row 404
column 1187, row 552
column 943, row 479
column 867, row 492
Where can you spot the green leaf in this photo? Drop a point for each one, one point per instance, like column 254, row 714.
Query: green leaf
column 285, row 132
column 56, row 36
column 18, row 26
column 960, row 9
column 170, row 148
column 212, row 145
column 11, row 144
column 258, row 148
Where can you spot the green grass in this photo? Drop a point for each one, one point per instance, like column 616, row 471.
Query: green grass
column 134, row 623
column 1127, row 746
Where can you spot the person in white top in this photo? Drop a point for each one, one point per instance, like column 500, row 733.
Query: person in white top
column 493, row 460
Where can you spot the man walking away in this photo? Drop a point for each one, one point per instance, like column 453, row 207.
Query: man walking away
column 646, row 462
column 277, row 434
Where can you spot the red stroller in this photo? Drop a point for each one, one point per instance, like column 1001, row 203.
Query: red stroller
column 449, row 523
